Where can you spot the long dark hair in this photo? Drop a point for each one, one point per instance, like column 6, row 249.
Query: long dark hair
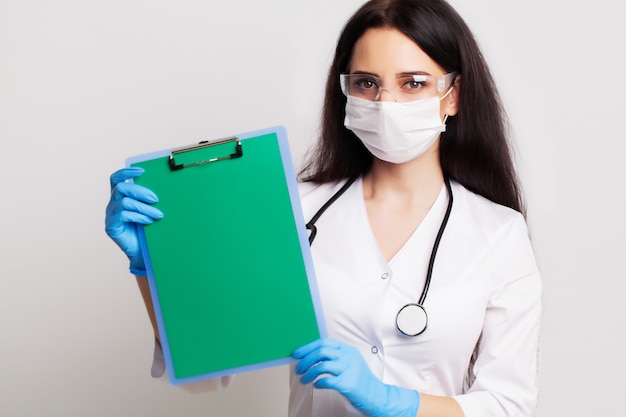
column 474, row 150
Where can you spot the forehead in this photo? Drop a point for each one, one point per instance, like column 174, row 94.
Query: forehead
column 385, row 51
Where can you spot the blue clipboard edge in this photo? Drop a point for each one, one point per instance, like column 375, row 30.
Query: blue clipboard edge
column 292, row 185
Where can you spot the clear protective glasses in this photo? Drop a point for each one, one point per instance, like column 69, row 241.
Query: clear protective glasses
column 408, row 87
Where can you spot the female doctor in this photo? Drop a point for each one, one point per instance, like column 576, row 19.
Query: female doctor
column 425, row 270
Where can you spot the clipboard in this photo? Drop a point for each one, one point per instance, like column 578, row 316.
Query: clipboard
column 229, row 265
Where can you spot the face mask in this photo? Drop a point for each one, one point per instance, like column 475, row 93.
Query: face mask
column 395, row 132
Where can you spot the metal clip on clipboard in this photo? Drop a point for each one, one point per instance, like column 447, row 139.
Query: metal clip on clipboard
column 205, row 144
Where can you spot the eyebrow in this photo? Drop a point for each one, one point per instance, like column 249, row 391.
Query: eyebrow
column 398, row 75
column 404, row 74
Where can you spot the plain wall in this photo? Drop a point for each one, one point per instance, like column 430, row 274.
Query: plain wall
column 84, row 84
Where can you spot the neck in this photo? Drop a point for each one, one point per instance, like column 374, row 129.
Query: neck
column 418, row 180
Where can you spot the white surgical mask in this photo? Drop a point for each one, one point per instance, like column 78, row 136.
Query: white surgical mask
column 396, row 132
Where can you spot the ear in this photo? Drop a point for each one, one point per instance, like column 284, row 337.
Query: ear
column 450, row 104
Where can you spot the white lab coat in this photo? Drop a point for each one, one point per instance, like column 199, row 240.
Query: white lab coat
column 485, row 291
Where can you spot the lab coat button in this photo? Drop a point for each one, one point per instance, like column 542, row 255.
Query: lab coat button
column 374, row 350
column 385, row 275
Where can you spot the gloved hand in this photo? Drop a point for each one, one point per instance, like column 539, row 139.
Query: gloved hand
column 130, row 205
column 343, row 369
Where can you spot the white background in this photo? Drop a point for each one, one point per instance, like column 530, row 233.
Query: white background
column 84, row 84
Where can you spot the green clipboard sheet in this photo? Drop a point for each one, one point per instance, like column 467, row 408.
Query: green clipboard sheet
column 229, row 265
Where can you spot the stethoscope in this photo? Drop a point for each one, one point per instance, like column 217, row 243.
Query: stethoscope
column 412, row 318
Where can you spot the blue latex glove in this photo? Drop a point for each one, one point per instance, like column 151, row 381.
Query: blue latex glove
column 343, row 369
column 130, row 204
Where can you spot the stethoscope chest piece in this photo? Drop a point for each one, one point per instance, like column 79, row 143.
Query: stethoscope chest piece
column 412, row 320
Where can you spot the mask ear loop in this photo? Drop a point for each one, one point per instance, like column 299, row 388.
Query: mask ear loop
column 445, row 116
column 447, row 93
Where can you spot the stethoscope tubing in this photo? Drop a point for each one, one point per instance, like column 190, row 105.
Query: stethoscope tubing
column 433, row 254
column 311, row 224
column 419, row 307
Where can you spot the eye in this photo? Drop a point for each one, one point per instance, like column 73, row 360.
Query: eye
column 414, row 83
column 365, row 83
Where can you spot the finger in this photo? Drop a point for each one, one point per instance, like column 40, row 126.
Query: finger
column 124, row 174
column 302, row 351
column 317, row 344
column 314, row 358
column 135, row 217
column 328, row 382
column 132, row 205
column 322, row 368
column 117, row 226
column 120, row 211
column 137, row 192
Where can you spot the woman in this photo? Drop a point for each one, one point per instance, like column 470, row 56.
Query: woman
column 426, row 274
